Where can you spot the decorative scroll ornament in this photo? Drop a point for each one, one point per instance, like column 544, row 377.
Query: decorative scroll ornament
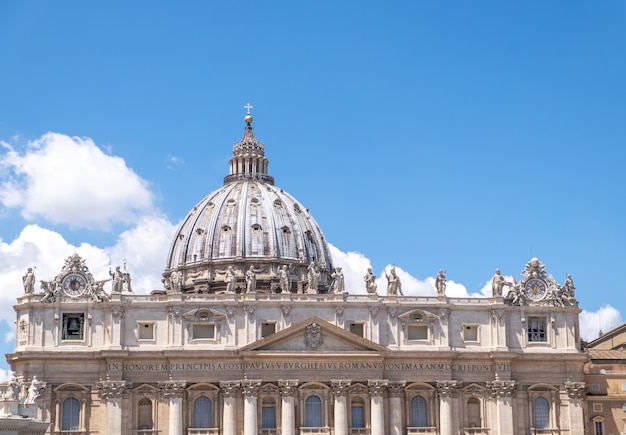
column 313, row 336
column 396, row 388
column 112, row 389
column 288, row 387
column 173, row 389
column 575, row 390
column 340, row 387
column 229, row 388
column 501, row 388
column 447, row 388
column 377, row 387
column 249, row 387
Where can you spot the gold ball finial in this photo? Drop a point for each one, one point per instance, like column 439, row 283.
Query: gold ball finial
column 248, row 119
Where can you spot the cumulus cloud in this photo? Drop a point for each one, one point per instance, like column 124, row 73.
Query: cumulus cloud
column 70, row 180
column 142, row 248
column 592, row 322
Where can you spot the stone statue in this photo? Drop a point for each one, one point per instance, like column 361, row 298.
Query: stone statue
column 29, row 281
column 497, row 282
column 440, row 283
column 96, row 289
column 250, row 280
column 50, row 289
column 283, row 278
column 515, row 296
column 230, row 279
column 394, row 287
column 338, row 285
column 14, row 387
column 118, row 280
column 569, row 287
column 313, row 277
column 370, row 281
column 176, row 281
column 34, row 390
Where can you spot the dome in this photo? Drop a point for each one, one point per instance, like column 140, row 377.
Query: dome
column 240, row 237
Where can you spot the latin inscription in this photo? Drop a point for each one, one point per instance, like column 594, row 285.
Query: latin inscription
column 310, row 365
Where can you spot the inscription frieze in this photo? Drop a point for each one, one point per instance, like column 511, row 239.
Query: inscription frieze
column 222, row 366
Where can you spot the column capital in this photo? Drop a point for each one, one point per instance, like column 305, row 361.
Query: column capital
column 288, row 387
column 396, row 388
column 173, row 389
column 230, row 388
column 447, row 388
column 502, row 388
column 250, row 387
column 112, row 389
column 340, row 387
column 377, row 387
column 575, row 390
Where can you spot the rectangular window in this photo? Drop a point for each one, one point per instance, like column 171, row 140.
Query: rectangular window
column 268, row 417
column 201, row 331
column 599, row 428
column 73, row 326
column 623, row 387
column 597, row 407
column 357, row 328
column 358, row 416
column 470, row 333
column 267, row 329
column 417, row 332
column 145, row 331
column 537, row 329
column 595, row 387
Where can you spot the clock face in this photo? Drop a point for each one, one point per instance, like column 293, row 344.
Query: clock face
column 74, row 285
column 535, row 289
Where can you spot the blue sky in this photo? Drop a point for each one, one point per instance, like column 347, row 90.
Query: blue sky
column 466, row 136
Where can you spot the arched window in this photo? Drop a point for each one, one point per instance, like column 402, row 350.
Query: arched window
column 473, row 413
column 541, row 413
column 144, row 414
column 357, row 413
column 203, row 412
column 313, row 412
column 418, row 412
column 70, row 419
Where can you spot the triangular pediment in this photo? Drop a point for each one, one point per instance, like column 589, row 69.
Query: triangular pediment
column 313, row 335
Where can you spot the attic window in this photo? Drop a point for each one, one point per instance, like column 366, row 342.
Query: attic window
column 278, row 203
column 256, row 227
column 199, row 231
column 254, row 201
column 296, row 208
column 226, row 228
column 286, row 230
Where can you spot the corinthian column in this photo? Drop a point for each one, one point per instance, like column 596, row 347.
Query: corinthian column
column 445, row 389
column 288, row 390
column 503, row 392
column 395, row 407
column 576, row 393
column 340, row 391
column 113, row 392
column 174, row 391
column 229, row 393
column 250, row 390
column 377, row 391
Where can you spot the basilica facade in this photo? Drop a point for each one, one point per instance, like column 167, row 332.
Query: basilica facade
column 254, row 332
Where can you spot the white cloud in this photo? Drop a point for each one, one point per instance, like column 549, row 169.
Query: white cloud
column 592, row 322
column 142, row 248
column 70, row 180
